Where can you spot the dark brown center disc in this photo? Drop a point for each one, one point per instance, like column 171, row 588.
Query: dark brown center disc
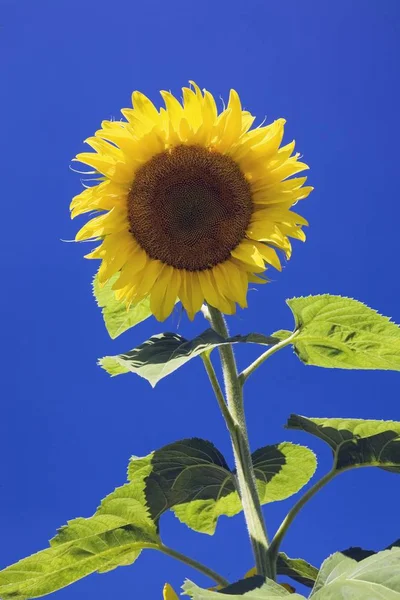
column 189, row 207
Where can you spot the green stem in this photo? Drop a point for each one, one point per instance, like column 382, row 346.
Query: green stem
column 254, row 365
column 288, row 520
column 217, row 390
column 192, row 563
column 236, row 424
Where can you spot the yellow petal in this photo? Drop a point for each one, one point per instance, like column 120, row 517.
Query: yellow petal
column 144, row 106
column 284, row 216
column 168, row 593
column 174, row 110
column 107, row 165
column 290, row 167
column 208, row 288
column 251, row 573
column 263, row 229
column 135, row 264
column 292, row 231
column 260, row 147
column 164, row 293
column 110, row 222
column 122, row 137
column 254, row 279
column 247, row 121
column 103, row 196
column 149, row 276
column 232, row 125
column 115, row 252
column 247, row 252
column 192, row 108
column 269, row 255
column 190, row 292
column 237, row 282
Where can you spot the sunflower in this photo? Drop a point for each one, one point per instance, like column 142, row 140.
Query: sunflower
column 192, row 204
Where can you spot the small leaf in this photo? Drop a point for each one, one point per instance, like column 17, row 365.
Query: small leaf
column 296, row 568
column 114, row 536
column 117, row 317
column 282, row 470
column 282, row 334
column 164, row 353
column 192, row 478
column 356, row 442
column 253, row 588
column 336, row 332
column 376, row 577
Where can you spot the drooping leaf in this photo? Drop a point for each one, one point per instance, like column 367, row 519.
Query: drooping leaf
column 164, row 353
column 297, row 569
column 253, row 588
column 192, row 478
column 114, row 536
column 117, row 317
column 356, row 442
column 337, row 332
column 376, row 577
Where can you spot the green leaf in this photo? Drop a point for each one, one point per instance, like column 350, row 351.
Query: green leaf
column 282, row 470
column 253, row 588
column 164, row 353
column 192, row 478
column 282, row 334
column 114, row 536
column 356, row 442
column 117, row 317
column 297, row 568
column 359, row 553
column 376, row 578
column 336, row 332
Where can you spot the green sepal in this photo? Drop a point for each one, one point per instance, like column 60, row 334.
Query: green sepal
column 117, row 317
column 164, row 353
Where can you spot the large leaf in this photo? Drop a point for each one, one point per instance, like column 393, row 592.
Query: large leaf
column 356, row 442
column 344, row 333
column 162, row 354
column 192, row 478
column 113, row 537
column 374, row 578
column 117, row 317
column 253, row 588
column 360, row 553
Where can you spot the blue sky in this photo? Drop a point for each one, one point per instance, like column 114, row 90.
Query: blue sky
column 68, row 430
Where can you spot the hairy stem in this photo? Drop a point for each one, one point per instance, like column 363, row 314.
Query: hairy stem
column 217, row 390
column 288, row 520
column 193, row 563
column 236, row 424
column 254, row 365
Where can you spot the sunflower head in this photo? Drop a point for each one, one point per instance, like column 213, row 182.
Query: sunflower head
column 192, row 204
